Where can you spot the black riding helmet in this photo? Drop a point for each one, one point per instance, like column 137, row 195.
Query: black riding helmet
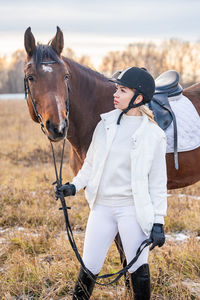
column 140, row 80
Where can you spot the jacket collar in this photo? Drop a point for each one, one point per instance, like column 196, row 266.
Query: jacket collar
column 112, row 116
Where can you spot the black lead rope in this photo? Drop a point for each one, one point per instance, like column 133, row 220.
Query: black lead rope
column 65, row 208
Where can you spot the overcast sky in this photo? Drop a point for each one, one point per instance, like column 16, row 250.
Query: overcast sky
column 94, row 27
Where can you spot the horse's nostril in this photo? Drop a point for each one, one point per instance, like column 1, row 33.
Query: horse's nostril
column 55, row 130
column 48, row 124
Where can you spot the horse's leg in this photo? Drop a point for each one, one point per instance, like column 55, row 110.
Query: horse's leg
column 118, row 243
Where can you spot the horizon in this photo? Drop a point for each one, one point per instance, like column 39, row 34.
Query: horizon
column 94, row 47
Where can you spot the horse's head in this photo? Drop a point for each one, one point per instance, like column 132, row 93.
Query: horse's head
column 47, row 84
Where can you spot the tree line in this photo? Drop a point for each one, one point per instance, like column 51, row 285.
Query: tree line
column 173, row 54
column 179, row 55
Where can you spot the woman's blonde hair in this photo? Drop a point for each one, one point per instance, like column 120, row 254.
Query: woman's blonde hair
column 144, row 109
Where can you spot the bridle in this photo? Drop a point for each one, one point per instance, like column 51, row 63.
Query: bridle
column 58, row 183
column 27, row 92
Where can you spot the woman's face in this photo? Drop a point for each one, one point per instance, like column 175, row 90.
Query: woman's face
column 122, row 96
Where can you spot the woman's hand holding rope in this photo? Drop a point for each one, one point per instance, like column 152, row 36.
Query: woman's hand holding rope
column 66, row 189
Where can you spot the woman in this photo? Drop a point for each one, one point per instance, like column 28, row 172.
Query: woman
column 124, row 173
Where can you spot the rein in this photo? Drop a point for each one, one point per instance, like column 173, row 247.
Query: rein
column 64, row 207
column 27, row 92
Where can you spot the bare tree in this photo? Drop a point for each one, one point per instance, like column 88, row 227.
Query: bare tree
column 16, row 72
column 83, row 60
column 158, row 58
column 3, row 75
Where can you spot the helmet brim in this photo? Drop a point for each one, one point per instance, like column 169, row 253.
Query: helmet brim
column 118, row 81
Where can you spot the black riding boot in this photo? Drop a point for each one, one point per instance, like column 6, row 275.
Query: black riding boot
column 141, row 283
column 84, row 286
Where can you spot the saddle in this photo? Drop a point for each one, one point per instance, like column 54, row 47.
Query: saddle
column 167, row 85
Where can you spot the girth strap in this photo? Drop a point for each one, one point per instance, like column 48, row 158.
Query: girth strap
column 175, row 137
column 162, row 103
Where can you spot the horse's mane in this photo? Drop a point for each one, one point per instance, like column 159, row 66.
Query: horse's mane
column 43, row 52
column 193, row 88
column 85, row 70
column 46, row 52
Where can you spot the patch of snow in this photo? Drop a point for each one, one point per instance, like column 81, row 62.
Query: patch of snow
column 184, row 195
column 13, row 230
column 180, row 237
column 193, row 287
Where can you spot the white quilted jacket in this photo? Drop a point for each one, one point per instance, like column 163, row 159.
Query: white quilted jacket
column 148, row 165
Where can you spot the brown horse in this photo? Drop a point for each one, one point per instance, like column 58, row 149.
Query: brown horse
column 49, row 76
column 90, row 95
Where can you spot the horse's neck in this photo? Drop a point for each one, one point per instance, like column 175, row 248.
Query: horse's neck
column 193, row 94
column 91, row 95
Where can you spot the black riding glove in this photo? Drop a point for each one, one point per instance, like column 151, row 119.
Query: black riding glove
column 67, row 189
column 157, row 235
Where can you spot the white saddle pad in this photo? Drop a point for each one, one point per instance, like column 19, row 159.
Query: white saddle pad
column 188, row 125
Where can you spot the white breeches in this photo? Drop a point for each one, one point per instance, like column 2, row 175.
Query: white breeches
column 104, row 223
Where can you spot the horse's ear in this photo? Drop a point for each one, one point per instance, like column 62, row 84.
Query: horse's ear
column 29, row 42
column 57, row 42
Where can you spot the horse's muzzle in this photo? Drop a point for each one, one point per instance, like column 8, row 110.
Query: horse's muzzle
column 56, row 132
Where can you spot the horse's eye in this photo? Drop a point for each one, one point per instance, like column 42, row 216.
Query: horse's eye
column 66, row 77
column 30, row 78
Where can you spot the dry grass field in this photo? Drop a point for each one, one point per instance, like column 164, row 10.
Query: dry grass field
column 36, row 260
